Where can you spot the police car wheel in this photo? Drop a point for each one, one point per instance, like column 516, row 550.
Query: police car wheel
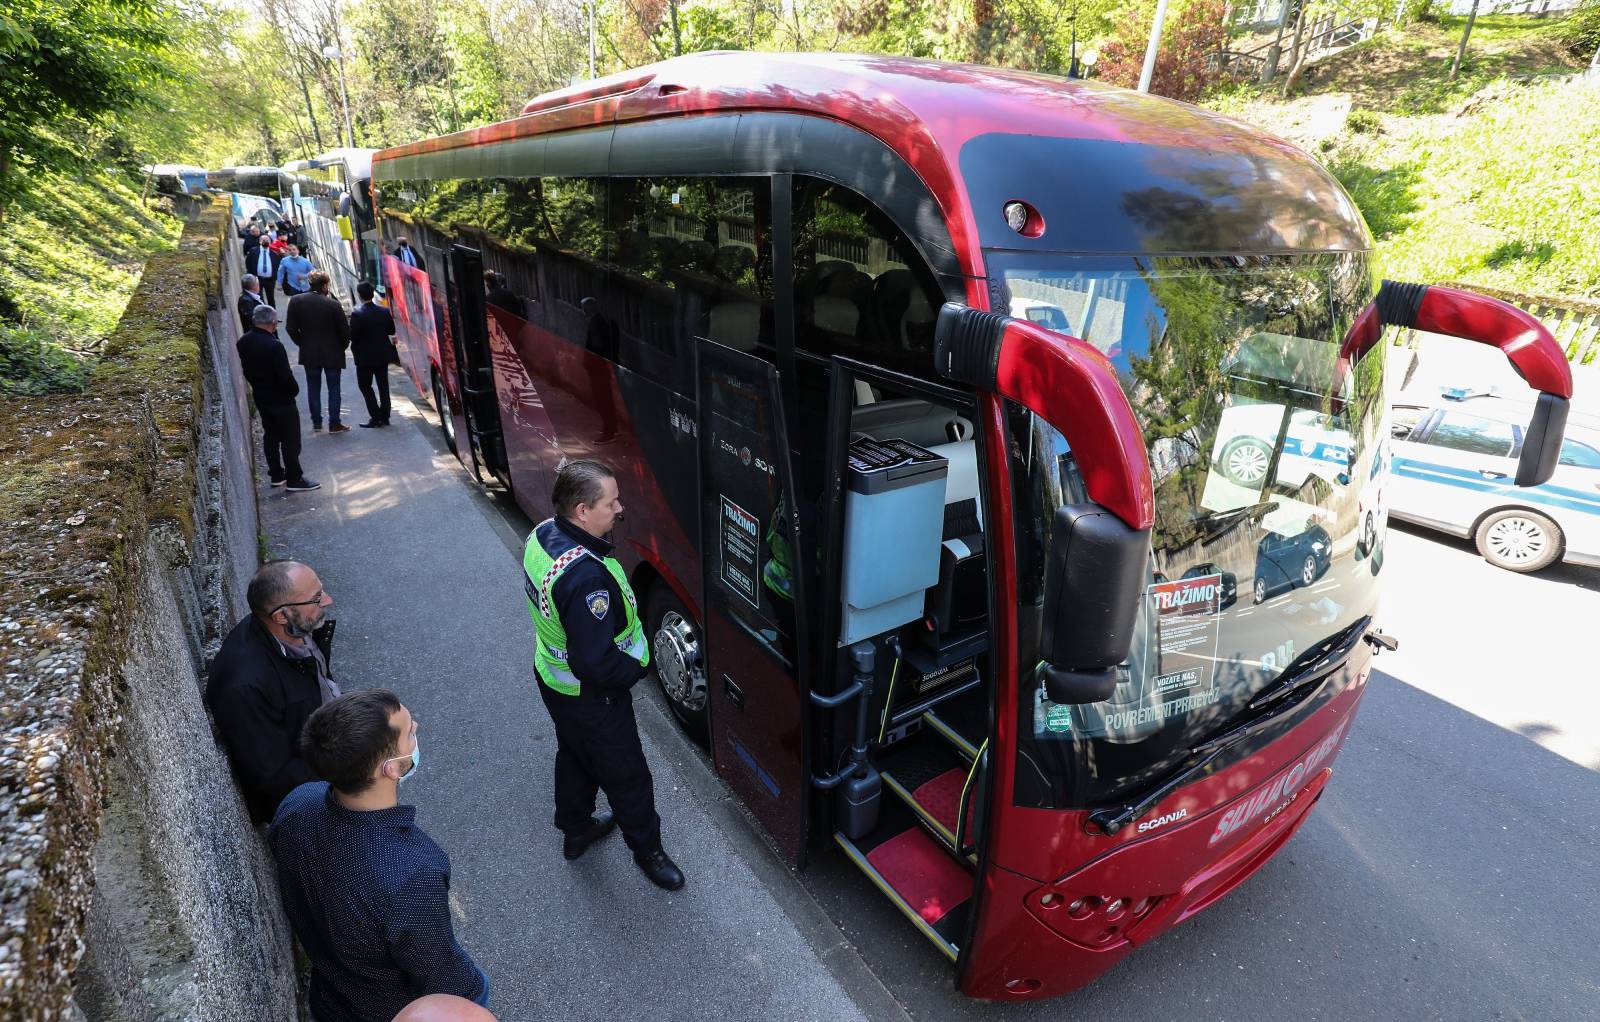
column 441, row 403
column 1369, row 535
column 1245, row 461
column 676, row 653
column 1519, row 540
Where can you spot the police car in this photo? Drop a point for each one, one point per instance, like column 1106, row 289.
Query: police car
column 1455, row 467
column 1314, row 444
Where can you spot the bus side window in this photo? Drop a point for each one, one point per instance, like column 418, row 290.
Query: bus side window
column 690, row 257
column 571, row 264
column 860, row 287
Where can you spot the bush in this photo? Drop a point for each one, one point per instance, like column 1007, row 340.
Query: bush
column 1579, row 32
column 1422, row 10
column 1362, row 122
column 1185, row 67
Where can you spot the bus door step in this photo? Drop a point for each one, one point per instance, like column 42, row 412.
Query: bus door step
column 968, row 751
column 922, row 881
column 935, row 804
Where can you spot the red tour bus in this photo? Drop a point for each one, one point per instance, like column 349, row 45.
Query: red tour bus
column 1001, row 453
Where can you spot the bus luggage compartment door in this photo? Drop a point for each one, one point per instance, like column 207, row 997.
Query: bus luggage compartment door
column 754, row 602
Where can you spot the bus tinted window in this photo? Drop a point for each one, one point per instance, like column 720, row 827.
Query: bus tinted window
column 691, row 258
column 861, row 289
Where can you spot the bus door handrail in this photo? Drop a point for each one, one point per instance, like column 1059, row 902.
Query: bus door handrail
column 978, row 762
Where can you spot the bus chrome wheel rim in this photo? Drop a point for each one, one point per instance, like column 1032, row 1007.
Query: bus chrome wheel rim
column 1247, row 464
column 446, row 419
column 677, row 652
column 1517, row 540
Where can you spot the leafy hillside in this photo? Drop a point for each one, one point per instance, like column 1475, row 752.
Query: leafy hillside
column 1490, row 179
column 71, row 250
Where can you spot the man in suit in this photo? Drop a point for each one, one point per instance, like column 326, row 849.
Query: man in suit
column 249, row 298
column 406, row 254
column 318, row 325
column 371, row 326
column 272, row 384
column 262, row 262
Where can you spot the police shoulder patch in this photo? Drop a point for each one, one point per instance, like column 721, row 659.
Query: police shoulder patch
column 599, row 602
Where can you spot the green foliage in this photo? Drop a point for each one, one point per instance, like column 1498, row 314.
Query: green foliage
column 70, row 256
column 1362, row 122
column 1579, row 31
column 66, row 65
column 1424, row 11
column 1387, row 198
column 1191, row 36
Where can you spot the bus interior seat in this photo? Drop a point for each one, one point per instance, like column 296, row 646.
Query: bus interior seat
column 904, row 317
column 696, row 255
column 835, row 315
column 732, row 261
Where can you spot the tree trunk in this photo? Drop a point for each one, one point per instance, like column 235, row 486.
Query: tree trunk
column 677, row 33
column 1297, row 56
column 1461, row 51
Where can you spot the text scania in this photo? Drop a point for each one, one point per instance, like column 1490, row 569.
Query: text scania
column 1172, row 599
column 1287, row 784
column 1162, row 821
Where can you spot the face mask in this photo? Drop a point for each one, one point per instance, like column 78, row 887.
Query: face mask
column 416, row 759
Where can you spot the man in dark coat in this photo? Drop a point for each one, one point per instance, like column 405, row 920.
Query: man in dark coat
column 371, row 326
column 406, row 254
column 249, row 298
column 272, row 384
column 261, row 261
column 269, row 676
column 318, row 325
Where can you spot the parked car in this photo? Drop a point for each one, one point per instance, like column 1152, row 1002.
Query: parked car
column 1230, row 581
column 1455, row 468
column 1290, row 561
column 1313, row 444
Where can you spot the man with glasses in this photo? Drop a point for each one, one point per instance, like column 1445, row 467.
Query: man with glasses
column 269, row 676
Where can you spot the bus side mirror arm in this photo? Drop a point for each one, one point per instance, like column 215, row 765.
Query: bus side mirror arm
column 1532, row 351
column 1098, row 557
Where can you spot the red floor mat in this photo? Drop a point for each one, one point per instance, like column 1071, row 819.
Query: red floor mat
column 922, row 873
column 941, row 795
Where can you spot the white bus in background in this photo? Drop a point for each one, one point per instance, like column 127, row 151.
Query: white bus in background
column 331, row 197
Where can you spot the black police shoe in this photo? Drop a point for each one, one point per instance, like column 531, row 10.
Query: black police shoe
column 600, row 825
column 662, row 871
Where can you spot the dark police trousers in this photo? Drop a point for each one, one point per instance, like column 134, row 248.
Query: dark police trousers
column 597, row 747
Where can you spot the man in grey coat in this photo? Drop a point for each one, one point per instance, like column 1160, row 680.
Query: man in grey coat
column 319, row 327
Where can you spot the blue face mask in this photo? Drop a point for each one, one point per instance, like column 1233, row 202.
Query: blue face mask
column 416, row 760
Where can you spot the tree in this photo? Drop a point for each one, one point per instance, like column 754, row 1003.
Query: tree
column 64, row 61
column 1185, row 64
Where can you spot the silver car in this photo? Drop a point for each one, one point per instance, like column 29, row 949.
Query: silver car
column 1455, row 465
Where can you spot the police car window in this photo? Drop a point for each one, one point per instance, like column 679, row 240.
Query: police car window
column 1473, row 435
column 1404, row 419
column 1579, row 455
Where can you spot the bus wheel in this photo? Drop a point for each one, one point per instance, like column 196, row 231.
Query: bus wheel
column 679, row 661
column 447, row 422
column 1519, row 540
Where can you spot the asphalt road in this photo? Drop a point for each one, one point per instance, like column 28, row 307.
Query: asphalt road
column 1451, row 872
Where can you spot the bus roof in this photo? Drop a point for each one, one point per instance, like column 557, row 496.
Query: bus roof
column 1256, row 191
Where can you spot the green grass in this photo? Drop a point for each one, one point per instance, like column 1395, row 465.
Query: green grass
column 1493, row 179
column 71, row 251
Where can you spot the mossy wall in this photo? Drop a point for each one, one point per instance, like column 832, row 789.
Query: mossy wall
column 124, row 514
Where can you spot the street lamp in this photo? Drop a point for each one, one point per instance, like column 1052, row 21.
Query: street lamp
column 334, row 53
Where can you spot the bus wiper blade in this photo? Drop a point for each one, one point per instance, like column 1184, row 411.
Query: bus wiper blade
column 1314, row 665
column 1317, row 664
column 1111, row 820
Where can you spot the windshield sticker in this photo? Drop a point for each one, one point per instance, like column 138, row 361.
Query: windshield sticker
column 1187, row 612
column 740, row 550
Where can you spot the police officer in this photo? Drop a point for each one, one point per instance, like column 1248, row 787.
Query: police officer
column 591, row 650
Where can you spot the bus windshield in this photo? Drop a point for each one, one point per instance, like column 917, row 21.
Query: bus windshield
column 1268, row 458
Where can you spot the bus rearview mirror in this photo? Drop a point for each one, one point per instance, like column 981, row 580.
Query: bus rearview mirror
column 1094, row 580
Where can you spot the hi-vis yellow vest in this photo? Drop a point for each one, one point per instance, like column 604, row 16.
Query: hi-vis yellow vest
column 540, row 572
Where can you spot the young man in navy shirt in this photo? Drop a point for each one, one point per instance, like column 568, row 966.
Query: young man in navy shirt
column 366, row 891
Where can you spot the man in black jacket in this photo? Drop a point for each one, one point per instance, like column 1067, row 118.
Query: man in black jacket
column 260, row 260
column 272, row 384
column 269, row 676
column 371, row 326
column 249, row 298
column 318, row 325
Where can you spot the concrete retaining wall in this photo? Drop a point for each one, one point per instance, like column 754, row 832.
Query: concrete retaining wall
column 131, row 534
